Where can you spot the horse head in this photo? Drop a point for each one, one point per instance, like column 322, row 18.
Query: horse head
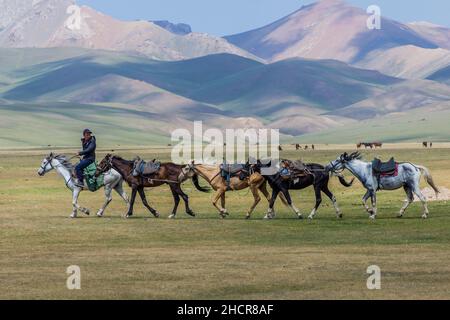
column 104, row 165
column 46, row 164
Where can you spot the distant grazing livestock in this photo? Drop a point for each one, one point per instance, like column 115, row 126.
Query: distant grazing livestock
column 378, row 145
column 425, row 144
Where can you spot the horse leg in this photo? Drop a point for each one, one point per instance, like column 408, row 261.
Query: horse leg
column 176, row 199
column 144, row 201
column 123, row 194
column 291, row 204
column 408, row 201
column 75, row 194
column 271, row 212
column 256, row 198
column 221, row 209
column 374, row 205
column 222, row 203
column 108, row 199
column 131, row 206
column 333, row 200
column 419, row 194
column 364, row 200
column 185, row 198
column 318, row 195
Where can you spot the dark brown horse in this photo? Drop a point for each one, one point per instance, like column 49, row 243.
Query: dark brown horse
column 169, row 173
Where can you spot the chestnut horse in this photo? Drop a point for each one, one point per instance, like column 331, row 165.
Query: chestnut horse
column 168, row 174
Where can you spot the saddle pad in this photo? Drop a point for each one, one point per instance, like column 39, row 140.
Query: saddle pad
column 92, row 182
column 231, row 168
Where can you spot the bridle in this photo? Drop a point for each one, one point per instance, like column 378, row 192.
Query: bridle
column 334, row 169
column 49, row 161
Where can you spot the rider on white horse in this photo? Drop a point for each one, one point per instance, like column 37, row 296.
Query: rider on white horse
column 88, row 153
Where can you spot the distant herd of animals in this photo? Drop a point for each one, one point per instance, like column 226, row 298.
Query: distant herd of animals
column 282, row 176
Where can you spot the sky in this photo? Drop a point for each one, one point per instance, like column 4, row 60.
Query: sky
column 226, row 17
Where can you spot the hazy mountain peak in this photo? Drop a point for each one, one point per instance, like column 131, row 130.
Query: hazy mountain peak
column 328, row 29
column 50, row 23
column 176, row 28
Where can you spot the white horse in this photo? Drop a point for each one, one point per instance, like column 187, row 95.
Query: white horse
column 408, row 177
column 112, row 180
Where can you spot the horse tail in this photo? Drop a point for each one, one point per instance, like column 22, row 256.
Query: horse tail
column 198, row 186
column 345, row 183
column 429, row 178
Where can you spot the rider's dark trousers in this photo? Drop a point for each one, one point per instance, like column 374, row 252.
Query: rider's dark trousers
column 80, row 168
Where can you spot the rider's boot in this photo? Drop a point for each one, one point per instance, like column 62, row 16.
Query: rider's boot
column 79, row 184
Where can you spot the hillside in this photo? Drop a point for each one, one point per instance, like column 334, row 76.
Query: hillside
column 343, row 35
column 268, row 89
column 47, row 24
column 423, row 124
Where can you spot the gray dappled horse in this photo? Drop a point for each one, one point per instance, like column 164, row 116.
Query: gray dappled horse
column 112, row 180
column 408, row 176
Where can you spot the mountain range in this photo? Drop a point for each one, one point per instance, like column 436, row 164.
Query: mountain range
column 314, row 74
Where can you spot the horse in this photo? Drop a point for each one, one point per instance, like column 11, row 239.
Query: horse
column 377, row 145
column 365, row 145
column 168, row 174
column 212, row 174
column 60, row 163
column 408, row 177
column 316, row 176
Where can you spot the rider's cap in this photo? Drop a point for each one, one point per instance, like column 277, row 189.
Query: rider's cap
column 87, row 131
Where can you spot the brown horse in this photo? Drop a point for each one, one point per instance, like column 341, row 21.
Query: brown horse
column 212, row 175
column 168, row 174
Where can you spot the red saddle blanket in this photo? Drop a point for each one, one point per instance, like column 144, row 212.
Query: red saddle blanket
column 392, row 173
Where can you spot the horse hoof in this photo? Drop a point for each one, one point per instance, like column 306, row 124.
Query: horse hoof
column 300, row 217
column 191, row 213
column 72, row 216
column 425, row 216
column 87, row 212
column 247, row 217
column 172, row 216
column 310, row 217
column 373, row 217
column 399, row 216
column 156, row 214
column 340, row 216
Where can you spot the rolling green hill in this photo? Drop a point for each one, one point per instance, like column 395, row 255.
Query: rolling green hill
column 47, row 95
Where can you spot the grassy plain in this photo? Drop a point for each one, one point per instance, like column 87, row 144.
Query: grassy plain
column 210, row 258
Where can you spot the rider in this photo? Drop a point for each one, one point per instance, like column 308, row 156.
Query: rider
column 88, row 154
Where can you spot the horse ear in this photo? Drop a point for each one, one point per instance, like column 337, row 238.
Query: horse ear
column 193, row 162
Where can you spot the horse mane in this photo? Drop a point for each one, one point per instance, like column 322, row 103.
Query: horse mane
column 64, row 162
column 123, row 160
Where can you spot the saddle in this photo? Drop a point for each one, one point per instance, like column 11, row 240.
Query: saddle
column 92, row 182
column 384, row 168
column 231, row 168
column 228, row 171
column 293, row 169
column 145, row 169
